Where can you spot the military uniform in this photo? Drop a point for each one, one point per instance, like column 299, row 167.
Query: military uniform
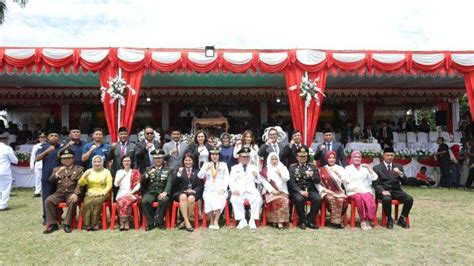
column 304, row 177
column 154, row 182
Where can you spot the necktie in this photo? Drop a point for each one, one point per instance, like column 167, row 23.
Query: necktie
column 245, row 168
column 329, row 146
column 123, row 149
column 177, row 149
column 389, row 169
column 189, row 172
column 275, row 148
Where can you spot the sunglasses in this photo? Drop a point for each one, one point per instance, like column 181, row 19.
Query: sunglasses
column 149, row 133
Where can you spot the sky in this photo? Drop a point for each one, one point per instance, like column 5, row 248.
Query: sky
column 246, row 24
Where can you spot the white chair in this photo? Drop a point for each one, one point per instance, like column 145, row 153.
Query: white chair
column 422, row 137
column 433, row 136
column 411, row 140
column 319, row 137
column 396, row 139
column 457, row 136
column 11, row 139
column 107, row 139
column 402, row 136
column 133, row 138
column 445, row 135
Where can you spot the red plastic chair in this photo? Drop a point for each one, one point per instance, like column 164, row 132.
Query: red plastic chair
column 174, row 213
column 226, row 213
column 105, row 205
column 167, row 216
column 295, row 215
column 61, row 206
column 323, row 214
column 353, row 212
column 395, row 203
column 114, row 215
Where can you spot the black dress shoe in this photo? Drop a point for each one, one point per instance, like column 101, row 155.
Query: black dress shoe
column 189, row 229
column 36, row 195
column 390, row 224
column 312, row 226
column 67, row 228
column 150, row 227
column 401, row 222
column 161, row 226
column 303, row 226
column 51, row 228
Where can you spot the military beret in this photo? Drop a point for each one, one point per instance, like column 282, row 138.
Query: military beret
column 158, row 153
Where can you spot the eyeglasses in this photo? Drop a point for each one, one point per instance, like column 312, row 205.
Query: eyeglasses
column 272, row 134
column 149, row 133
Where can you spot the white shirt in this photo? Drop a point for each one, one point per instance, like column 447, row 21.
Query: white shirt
column 7, row 157
column 124, row 186
column 33, row 163
column 358, row 181
column 244, row 181
column 203, row 155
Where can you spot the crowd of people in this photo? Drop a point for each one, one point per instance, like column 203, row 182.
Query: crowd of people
column 276, row 175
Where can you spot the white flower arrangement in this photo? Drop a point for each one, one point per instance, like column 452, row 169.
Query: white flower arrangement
column 141, row 136
column 187, row 138
column 116, row 90
column 412, row 153
column 234, row 138
column 365, row 153
column 22, row 156
column 309, row 90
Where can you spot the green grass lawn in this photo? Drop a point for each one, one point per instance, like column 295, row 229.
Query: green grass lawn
column 441, row 233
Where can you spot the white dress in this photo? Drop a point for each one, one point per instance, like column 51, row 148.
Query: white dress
column 212, row 199
column 124, row 186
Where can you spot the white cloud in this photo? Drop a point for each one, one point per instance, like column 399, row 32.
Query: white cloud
column 386, row 25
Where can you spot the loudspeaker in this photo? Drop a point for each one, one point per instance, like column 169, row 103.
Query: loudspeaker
column 441, row 118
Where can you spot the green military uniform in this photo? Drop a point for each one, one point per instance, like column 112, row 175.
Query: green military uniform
column 154, row 182
column 67, row 184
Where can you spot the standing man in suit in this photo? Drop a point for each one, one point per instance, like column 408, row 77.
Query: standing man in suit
column 387, row 187
column 330, row 144
column 175, row 149
column 289, row 154
column 271, row 145
column 117, row 152
column 369, row 132
column 385, row 135
column 144, row 148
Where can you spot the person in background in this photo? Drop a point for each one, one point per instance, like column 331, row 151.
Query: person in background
column 48, row 154
column 37, row 167
column 175, row 149
column 200, row 149
column 7, row 157
column 422, row 179
column 144, row 149
column 25, row 135
column 248, row 140
column 347, row 134
column 119, row 149
column 227, row 151
column 444, row 160
column 99, row 185
column 74, row 143
column 385, row 135
column 289, row 154
column 96, row 147
column 330, row 144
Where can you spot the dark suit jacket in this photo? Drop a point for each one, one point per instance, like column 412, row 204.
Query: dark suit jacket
column 181, row 181
column 320, row 154
column 366, row 133
column 265, row 149
column 386, row 181
column 193, row 148
column 289, row 155
column 142, row 160
column 389, row 133
column 116, row 158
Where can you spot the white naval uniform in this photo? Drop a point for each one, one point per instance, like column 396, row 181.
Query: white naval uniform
column 36, row 167
column 7, row 157
column 214, row 201
column 244, row 183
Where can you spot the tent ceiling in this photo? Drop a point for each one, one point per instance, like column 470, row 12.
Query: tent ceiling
column 177, row 80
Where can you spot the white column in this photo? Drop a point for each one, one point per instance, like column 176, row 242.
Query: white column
column 65, row 115
column 263, row 112
column 455, row 113
column 360, row 113
column 165, row 115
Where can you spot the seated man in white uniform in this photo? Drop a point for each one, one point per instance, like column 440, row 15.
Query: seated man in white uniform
column 243, row 178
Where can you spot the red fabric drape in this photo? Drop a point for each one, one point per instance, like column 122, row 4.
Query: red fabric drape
column 469, row 81
column 134, row 79
column 293, row 76
column 110, row 109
